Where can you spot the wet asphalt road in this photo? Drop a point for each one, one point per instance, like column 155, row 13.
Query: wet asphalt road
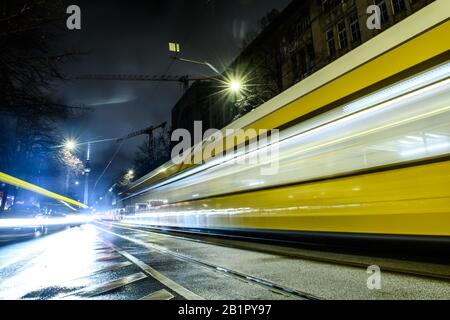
column 89, row 263
column 123, row 262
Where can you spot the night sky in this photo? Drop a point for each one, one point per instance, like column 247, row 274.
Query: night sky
column 131, row 37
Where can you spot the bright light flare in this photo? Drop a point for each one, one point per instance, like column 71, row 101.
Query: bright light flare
column 235, row 83
column 70, row 144
column 235, row 86
column 36, row 222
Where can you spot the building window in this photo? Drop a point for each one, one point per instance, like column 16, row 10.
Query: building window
column 295, row 66
column 303, row 24
column 311, row 55
column 302, row 63
column 354, row 28
column 342, row 35
column 328, row 5
column 398, row 5
column 384, row 11
column 330, row 43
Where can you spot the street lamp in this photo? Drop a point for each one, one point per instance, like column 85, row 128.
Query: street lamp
column 127, row 178
column 235, row 86
column 70, row 144
column 175, row 48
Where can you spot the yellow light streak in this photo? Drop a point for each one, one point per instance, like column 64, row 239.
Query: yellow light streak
column 31, row 187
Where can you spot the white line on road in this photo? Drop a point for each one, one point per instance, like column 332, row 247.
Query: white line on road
column 159, row 295
column 155, row 274
column 266, row 283
column 101, row 288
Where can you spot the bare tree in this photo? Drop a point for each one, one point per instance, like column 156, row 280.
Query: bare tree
column 262, row 64
column 28, row 63
column 29, row 66
column 152, row 154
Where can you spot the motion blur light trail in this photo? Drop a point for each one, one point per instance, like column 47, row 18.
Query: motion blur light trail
column 13, row 223
column 52, row 262
column 28, row 186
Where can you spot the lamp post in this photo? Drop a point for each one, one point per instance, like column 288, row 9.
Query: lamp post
column 87, row 171
column 176, row 48
column 205, row 63
column 71, row 145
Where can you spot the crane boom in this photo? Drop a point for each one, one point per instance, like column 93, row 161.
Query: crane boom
column 148, row 131
column 184, row 80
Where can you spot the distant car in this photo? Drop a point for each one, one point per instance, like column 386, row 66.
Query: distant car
column 76, row 219
column 54, row 221
column 59, row 216
column 20, row 221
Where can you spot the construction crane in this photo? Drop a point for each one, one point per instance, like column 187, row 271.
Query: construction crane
column 184, row 80
column 147, row 131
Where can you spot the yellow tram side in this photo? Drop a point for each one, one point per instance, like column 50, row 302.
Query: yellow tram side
column 366, row 181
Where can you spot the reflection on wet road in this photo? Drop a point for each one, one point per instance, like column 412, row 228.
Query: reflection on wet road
column 73, row 264
column 116, row 261
column 93, row 262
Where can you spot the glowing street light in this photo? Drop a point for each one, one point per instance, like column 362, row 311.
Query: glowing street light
column 70, row 145
column 235, row 86
column 130, row 172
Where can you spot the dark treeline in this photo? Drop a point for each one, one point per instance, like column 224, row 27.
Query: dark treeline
column 29, row 67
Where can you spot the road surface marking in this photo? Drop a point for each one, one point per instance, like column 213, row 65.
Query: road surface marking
column 182, row 291
column 113, row 267
column 102, row 248
column 159, row 295
column 102, row 288
column 109, row 258
column 110, row 251
column 235, row 274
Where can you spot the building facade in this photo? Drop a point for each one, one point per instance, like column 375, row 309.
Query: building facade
column 303, row 38
column 204, row 102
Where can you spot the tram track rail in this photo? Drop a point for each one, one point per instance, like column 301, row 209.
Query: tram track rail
column 428, row 270
column 270, row 285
